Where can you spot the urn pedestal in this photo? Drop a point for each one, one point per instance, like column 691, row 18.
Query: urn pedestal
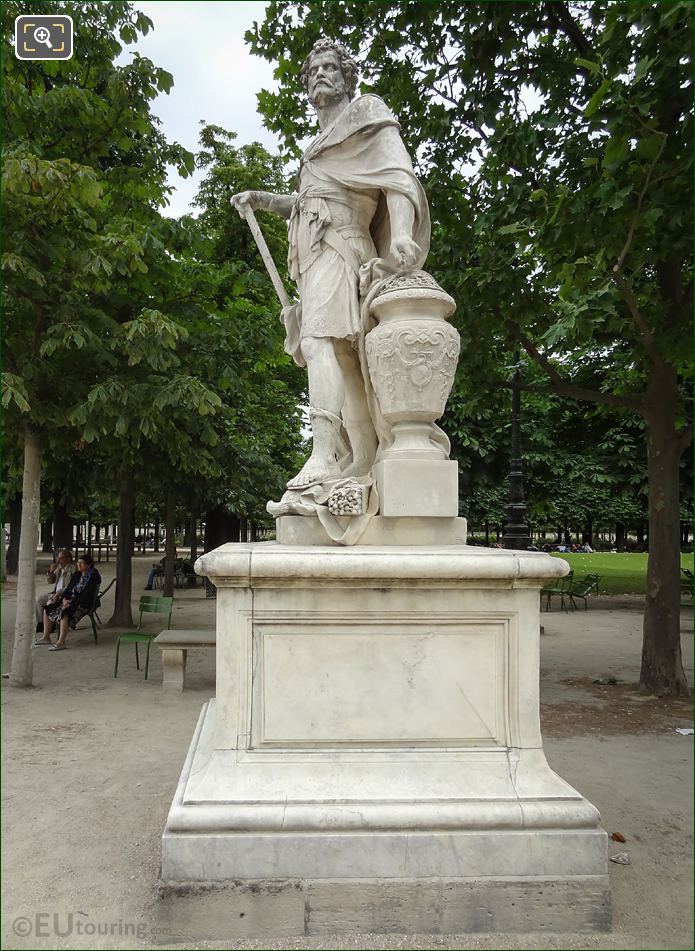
column 412, row 355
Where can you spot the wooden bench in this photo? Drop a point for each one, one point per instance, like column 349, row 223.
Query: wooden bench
column 174, row 646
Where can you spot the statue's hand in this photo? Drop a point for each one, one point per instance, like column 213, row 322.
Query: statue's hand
column 404, row 251
column 250, row 199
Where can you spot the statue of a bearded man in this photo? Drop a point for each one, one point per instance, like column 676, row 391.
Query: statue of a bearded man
column 359, row 213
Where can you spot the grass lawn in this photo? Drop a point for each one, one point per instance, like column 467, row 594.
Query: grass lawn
column 621, row 573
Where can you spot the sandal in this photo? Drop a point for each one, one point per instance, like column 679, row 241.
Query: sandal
column 58, row 647
column 41, row 643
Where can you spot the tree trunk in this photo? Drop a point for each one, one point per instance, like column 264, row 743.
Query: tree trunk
column 14, row 517
column 47, row 535
column 194, row 538
column 122, row 612
column 156, row 535
column 170, row 549
column 220, row 527
column 62, row 526
column 21, row 671
column 662, row 666
column 588, row 531
column 620, row 536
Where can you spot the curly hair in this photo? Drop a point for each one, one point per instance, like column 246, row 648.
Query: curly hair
column 348, row 66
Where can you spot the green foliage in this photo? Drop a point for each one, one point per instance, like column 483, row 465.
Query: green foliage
column 258, row 440
column 85, row 167
column 578, row 464
column 14, row 391
column 555, row 141
column 129, row 336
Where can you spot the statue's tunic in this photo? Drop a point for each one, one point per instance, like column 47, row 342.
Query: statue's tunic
column 340, row 218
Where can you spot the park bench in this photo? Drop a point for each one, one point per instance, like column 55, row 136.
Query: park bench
column 560, row 588
column 174, row 646
column 581, row 588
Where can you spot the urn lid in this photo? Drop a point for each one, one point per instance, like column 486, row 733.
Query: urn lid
column 405, row 280
column 413, row 285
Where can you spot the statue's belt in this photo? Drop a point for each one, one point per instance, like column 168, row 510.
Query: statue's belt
column 335, row 240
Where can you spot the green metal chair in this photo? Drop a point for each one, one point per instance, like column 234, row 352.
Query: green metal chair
column 592, row 579
column 149, row 604
column 560, row 588
column 581, row 588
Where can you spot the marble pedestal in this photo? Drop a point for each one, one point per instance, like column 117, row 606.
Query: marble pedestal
column 375, row 736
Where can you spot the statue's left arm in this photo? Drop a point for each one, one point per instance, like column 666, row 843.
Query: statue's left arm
column 402, row 214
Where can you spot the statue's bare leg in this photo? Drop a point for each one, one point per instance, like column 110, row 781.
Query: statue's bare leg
column 326, row 397
column 355, row 411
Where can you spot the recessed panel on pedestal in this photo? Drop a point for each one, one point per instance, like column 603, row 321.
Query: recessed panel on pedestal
column 382, row 682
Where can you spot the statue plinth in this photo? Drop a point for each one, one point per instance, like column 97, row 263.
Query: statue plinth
column 375, row 737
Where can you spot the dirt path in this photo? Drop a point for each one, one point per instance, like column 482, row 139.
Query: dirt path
column 91, row 763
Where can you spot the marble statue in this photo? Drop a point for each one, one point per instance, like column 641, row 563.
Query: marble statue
column 358, row 220
column 372, row 759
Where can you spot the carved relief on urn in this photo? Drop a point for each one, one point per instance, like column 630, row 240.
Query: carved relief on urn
column 412, row 356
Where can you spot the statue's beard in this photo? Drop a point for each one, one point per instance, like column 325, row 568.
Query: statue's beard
column 326, row 96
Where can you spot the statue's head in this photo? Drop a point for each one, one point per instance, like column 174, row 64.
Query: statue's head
column 329, row 72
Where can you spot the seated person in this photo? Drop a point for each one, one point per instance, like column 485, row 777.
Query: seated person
column 73, row 603
column 156, row 571
column 59, row 574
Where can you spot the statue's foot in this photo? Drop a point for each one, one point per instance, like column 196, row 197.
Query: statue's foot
column 314, row 472
column 293, row 507
column 358, row 468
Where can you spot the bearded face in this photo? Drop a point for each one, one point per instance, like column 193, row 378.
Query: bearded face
column 325, row 80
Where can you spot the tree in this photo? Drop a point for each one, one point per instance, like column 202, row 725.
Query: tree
column 197, row 377
column 556, row 143
column 82, row 151
column 578, row 468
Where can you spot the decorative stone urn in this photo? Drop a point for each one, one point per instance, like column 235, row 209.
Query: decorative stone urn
column 412, row 356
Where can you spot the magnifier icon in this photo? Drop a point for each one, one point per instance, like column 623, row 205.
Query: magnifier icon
column 42, row 35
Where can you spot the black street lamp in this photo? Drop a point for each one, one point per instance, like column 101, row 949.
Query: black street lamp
column 516, row 532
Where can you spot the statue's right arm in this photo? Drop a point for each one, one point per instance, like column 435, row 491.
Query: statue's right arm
column 267, row 201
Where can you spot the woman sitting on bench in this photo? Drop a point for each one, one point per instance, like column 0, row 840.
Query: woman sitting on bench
column 75, row 601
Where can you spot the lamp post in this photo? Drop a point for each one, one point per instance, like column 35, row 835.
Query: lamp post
column 516, row 533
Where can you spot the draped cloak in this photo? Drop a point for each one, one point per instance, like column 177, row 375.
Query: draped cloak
column 361, row 155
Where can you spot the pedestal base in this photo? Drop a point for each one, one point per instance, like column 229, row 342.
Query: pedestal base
column 418, row 487
column 300, row 530
column 277, row 909
column 374, row 748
